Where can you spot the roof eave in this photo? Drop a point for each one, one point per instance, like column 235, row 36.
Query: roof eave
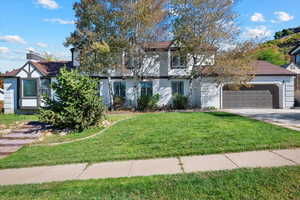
column 294, row 50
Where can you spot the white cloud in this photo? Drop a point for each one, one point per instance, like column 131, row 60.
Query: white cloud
column 49, row 4
column 257, row 17
column 257, row 32
column 30, row 49
column 227, row 46
column 63, row 55
column 12, row 38
column 4, row 50
column 282, row 17
column 42, row 45
column 60, row 21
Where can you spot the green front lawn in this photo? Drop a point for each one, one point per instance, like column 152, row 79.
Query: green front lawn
column 247, row 184
column 162, row 135
column 10, row 119
column 86, row 133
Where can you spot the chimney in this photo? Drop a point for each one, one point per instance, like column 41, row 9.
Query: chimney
column 33, row 56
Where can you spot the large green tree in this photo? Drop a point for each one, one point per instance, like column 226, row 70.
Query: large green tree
column 107, row 31
column 207, row 34
column 76, row 103
column 200, row 28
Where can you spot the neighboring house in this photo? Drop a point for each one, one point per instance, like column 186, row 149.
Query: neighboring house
column 24, row 87
column 294, row 66
column 273, row 86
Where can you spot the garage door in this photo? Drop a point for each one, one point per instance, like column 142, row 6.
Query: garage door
column 258, row 96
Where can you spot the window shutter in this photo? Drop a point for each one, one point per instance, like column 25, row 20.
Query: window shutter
column 115, row 88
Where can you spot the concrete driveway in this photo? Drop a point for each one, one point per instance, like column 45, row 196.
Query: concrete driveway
column 284, row 117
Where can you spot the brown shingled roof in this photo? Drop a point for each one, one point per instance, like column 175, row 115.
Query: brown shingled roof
column 51, row 68
column 47, row 68
column 266, row 68
column 11, row 73
column 159, row 45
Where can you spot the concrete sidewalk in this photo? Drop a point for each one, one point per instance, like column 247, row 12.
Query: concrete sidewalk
column 187, row 164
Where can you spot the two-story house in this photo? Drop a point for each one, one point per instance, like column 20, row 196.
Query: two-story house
column 272, row 87
column 294, row 66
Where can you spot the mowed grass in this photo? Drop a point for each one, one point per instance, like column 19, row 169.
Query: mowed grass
column 271, row 183
column 162, row 135
column 56, row 138
column 9, row 119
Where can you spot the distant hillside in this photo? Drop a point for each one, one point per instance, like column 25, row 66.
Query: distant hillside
column 277, row 51
column 286, row 32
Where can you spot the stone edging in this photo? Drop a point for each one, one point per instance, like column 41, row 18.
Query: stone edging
column 81, row 139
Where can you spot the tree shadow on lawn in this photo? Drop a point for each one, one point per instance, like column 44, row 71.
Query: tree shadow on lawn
column 226, row 116
column 214, row 113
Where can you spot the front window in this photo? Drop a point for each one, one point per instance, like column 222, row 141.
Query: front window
column 29, row 88
column 119, row 89
column 99, row 88
column 146, row 89
column 298, row 59
column 178, row 61
column 177, row 87
column 45, row 87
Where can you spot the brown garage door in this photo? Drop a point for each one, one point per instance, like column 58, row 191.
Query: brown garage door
column 258, row 96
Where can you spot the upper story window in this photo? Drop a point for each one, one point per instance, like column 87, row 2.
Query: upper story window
column 29, row 88
column 131, row 61
column 146, row 88
column 45, row 87
column 178, row 61
column 177, row 87
column 119, row 89
column 298, row 59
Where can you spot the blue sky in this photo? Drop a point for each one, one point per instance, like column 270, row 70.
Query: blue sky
column 43, row 25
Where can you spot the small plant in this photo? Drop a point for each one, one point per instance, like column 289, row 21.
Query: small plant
column 119, row 102
column 210, row 108
column 148, row 103
column 180, row 102
column 76, row 104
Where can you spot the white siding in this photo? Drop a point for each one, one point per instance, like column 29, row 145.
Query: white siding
column 130, row 96
column 22, row 74
column 157, row 64
column 35, row 74
column 29, row 69
column 10, row 95
column 206, row 94
column 104, row 91
column 210, row 95
column 163, row 87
